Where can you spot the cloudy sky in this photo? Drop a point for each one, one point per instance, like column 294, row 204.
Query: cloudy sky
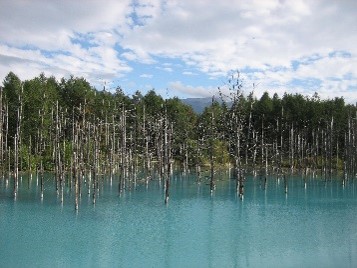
column 185, row 48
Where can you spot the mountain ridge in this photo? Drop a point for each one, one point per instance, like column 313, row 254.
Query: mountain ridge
column 199, row 104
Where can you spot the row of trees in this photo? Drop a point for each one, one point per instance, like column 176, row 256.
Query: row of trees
column 78, row 132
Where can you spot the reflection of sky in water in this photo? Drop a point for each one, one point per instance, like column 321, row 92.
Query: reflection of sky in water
column 308, row 227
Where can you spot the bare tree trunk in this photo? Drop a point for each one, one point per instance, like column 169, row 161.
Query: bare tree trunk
column 112, row 149
column 6, row 145
column 2, row 166
column 237, row 164
column 262, row 148
column 166, row 157
column 16, row 165
column 124, row 160
column 17, row 143
column 57, row 149
column 325, row 155
column 292, row 149
column 248, row 136
column 255, row 146
column 281, row 142
column 330, row 148
column 212, row 180
column 96, row 163
column 42, row 178
column 75, row 179
column 186, row 161
column 147, row 162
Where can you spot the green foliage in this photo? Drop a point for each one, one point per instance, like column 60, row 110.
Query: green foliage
column 39, row 98
column 153, row 103
column 12, row 94
column 217, row 129
column 74, row 92
column 220, row 151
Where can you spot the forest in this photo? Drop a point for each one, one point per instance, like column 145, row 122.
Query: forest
column 77, row 132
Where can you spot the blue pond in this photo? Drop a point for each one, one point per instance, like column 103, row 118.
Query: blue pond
column 314, row 226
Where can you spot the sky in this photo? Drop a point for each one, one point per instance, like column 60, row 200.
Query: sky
column 185, row 48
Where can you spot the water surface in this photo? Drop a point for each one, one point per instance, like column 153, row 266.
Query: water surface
column 314, row 226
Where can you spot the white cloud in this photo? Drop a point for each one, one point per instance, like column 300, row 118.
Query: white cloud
column 50, row 24
column 61, row 38
column 167, row 69
column 217, row 36
column 181, row 90
column 276, row 42
column 146, row 76
column 189, row 73
column 93, row 64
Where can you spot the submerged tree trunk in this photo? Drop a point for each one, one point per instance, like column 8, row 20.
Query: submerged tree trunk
column 168, row 131
column 16, row 165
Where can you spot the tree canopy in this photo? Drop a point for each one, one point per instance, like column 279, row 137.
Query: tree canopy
column 244, row 128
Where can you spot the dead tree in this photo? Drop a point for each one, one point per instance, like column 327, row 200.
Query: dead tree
column 167, row 155
column 2, row 166
column 211, row 149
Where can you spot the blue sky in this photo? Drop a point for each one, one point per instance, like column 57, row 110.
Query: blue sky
column 186, row 48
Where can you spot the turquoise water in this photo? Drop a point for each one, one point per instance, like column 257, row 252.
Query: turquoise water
column 314, row 226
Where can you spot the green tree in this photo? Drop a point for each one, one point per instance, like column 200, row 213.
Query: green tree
column 154, row 103
column 12, row 96
column 40, row 95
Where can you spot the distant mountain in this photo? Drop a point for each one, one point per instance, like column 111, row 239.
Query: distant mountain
column 198, row 104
